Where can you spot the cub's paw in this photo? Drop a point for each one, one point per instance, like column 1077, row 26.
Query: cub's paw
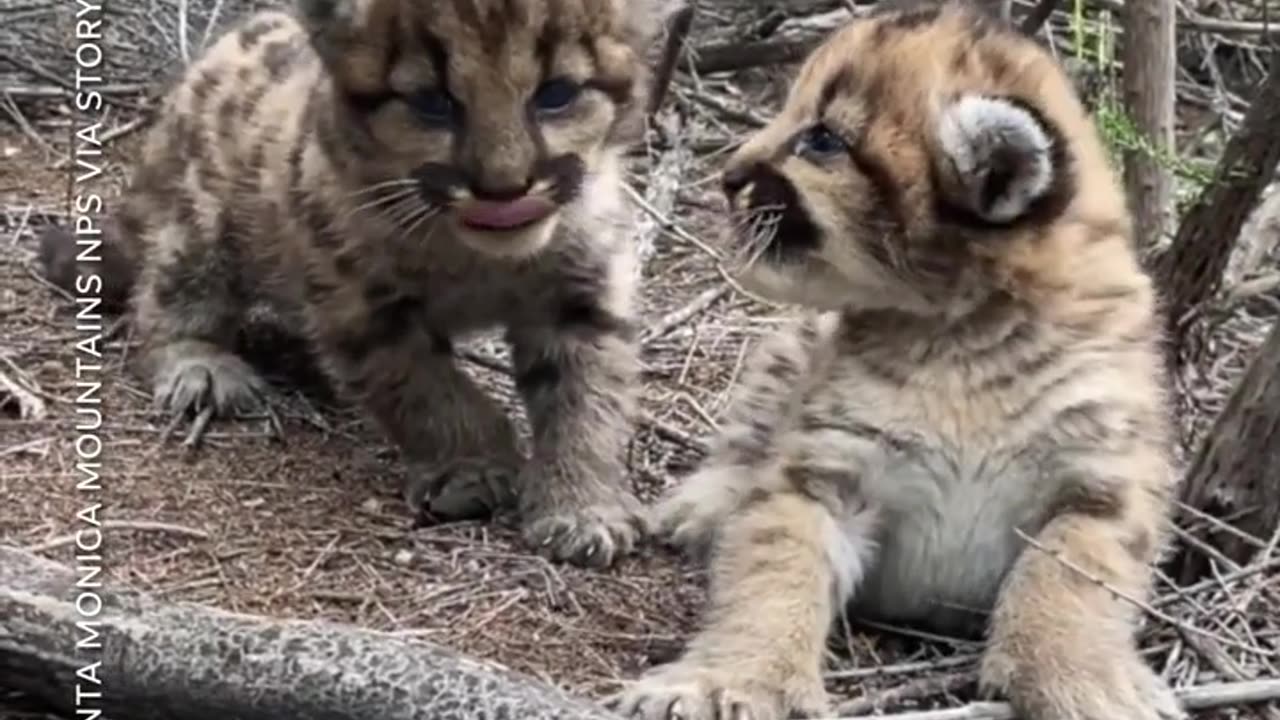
column 1123, row 690
column 208, row 383
column 690, row 515
column 461, row 489
column 683, row 692
column 594, row 534
column 218, row 380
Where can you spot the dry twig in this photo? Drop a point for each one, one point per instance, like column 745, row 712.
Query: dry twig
column 109, row 526
column 29, row 404
column 1145, row 607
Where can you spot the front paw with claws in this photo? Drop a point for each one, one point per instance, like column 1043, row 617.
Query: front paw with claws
column 683, row 692
column 689, row 516
column 463, row 489
column 207, row 384
column 1124, row 688
column 588, row 534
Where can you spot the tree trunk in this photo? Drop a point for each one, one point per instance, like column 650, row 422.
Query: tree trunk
column 1148, row 54
column 1237, row 470
column 162, row 661
column 1191, row 271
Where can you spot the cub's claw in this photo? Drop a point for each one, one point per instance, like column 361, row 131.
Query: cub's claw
column 678, row 692
column 1126, row 689
column 460, row 490
column 689, row 516
column 208, row 386
column 595, row 536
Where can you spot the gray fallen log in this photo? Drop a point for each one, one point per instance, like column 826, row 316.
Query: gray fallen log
column 174, row 661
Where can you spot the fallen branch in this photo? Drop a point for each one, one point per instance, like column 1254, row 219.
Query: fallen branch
column 790, row 43
column 177, row 661
column 734, row 56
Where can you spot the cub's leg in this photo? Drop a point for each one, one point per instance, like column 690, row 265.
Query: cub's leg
column 688, row 516
column 189, row 303
column 458, row 444
column 781, row 569
column 577, row 379
column 1061, row 646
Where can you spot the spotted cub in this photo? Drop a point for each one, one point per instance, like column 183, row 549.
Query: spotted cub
column 968, row 432
column 389, row 175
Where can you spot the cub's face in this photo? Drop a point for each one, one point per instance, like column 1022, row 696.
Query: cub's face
column 491, row 116
column 914, row 149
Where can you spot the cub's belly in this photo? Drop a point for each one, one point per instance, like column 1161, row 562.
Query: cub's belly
column 944, row 578
column 944, row 546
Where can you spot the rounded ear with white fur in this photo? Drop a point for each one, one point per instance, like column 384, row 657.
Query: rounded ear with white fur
column 999, row 157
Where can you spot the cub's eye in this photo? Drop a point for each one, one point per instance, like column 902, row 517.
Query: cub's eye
column 434, row 106
column 555, row 95
column 819, row 141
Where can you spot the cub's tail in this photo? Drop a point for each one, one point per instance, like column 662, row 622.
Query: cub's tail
column 104, row 269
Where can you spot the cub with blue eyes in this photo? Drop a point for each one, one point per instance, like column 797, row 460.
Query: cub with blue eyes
column 387, row 176
column 967, row 430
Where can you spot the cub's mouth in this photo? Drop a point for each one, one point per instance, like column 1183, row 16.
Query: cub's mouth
column 770, row 220
column 504, row 215
column 555, row 183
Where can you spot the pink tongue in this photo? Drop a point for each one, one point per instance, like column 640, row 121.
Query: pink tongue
column 505, row 215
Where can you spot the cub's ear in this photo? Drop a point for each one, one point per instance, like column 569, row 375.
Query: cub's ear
column 644, row 20
column 335, row 28
column 999, row 158
column 333, row 25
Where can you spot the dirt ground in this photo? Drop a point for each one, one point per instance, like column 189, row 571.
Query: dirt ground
column 313, row 527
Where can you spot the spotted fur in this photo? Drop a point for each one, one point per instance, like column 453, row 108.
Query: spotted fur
column 972, row 406
column 389, row 175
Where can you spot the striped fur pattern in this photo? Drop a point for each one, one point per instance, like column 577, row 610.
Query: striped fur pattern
column 970, row 411
column 389, row 175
